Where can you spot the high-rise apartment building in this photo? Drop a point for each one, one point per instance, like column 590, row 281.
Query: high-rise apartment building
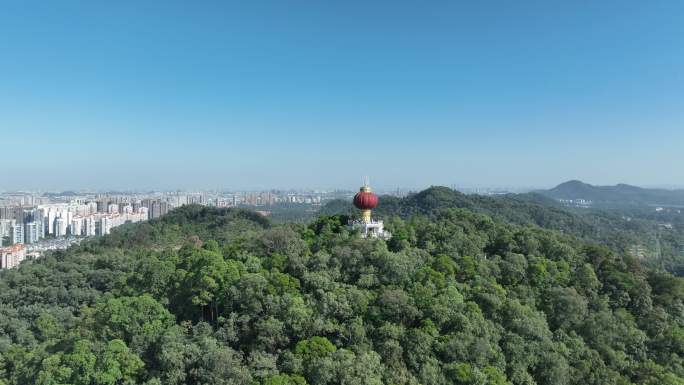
column 6, row 213
column 32, row 232
column 76, row 227
column 105, row 225
column 51, row 217
column 60, row 227
column 89, row 226
column 102, row 206
column 16, row 232
column 5, row 230
column 157, row 209
column 113, row 208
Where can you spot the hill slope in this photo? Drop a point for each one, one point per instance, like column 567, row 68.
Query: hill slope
column 208, row 296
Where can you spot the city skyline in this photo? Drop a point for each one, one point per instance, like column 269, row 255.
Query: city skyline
column 32, row 224
column 167, row 95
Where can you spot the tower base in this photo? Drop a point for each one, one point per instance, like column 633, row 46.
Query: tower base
column 370, row 229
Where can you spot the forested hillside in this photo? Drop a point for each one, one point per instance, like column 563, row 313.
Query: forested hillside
column 524, row 209
column 621, row 230
column 208, row 296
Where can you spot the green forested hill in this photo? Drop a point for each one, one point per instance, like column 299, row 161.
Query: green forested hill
column 208, row 296
column 517, row 209
column 622, row 230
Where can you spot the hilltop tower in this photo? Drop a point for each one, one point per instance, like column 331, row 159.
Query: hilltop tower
column 365, row 200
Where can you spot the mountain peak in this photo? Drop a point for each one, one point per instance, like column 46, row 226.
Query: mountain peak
column 573, row 182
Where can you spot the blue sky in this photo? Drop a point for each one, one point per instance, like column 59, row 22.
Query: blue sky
column 257, row 94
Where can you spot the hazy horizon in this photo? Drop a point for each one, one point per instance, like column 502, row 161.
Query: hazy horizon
column 377, row 187
column 171, row 95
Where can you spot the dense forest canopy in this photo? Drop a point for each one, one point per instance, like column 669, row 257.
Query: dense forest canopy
column 222, row 296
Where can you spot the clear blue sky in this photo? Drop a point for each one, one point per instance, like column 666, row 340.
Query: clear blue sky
column 220, row 94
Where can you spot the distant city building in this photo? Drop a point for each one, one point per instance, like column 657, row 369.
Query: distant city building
column 60, row 227
column 32, row 232
column 12, row 256
column 5, row 213
column 113, row 208
column 580, row 203
column 5, row 228
column 158, row 209
column 18, row 214
column 102, row 206
column 51, row 217
column 76, row 227
column 16, row 232
column 89, row 226
column 105, row 225
column 196, row 199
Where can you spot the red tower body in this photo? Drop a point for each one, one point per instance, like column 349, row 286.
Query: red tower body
column 365, row 200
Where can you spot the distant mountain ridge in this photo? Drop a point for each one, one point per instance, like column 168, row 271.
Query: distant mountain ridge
column 618, row 194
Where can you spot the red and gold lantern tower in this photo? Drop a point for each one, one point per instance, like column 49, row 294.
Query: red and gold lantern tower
column 365, row 200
